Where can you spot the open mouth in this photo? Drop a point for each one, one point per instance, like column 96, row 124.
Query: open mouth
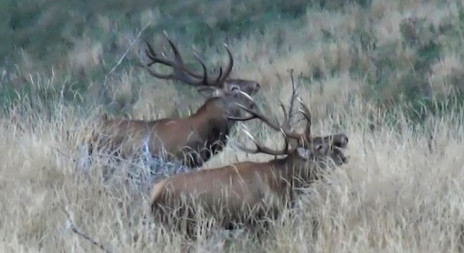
column 339, row 145
column 339, row 157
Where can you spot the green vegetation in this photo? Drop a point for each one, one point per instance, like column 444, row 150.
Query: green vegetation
column 404, row 53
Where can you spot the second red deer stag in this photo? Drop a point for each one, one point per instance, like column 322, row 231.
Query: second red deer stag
column 247, row 192
column 192, row 140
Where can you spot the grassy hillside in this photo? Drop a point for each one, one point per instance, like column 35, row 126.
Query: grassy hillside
column 400, row 51
column 389, row 74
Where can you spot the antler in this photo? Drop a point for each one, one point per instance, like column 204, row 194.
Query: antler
column 229, row 66
column 307, row 114
column 181, row 72
column 292, row 97
column 302, row 138
column 262, row 149
column 277, row 127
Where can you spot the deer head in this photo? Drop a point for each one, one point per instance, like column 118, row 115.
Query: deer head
column 299, row 145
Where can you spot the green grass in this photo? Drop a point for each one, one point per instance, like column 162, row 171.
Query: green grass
column 82, row 40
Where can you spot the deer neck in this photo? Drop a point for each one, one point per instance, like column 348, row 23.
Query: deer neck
column 299, row 173
column 210, row 124
column 209, row 113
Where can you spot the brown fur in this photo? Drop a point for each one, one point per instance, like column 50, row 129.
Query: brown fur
column 244, row 192
column 192, row 140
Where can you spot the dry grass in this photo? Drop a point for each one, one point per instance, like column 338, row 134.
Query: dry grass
column 400, row 192
column 396, row 194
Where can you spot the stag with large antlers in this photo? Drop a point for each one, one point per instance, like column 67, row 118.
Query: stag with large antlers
column 248, row 192
column 194, row 139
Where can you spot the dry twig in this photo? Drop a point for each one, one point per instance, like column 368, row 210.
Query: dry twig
column 70, row 225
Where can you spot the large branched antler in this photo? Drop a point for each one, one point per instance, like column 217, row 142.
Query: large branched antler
column 181, row 72
column 283, row 128
column 278, row 127
column 262, row 149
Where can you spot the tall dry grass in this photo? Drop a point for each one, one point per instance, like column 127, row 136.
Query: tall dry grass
column 401, row 191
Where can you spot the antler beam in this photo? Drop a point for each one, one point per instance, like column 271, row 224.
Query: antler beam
column 181, row 72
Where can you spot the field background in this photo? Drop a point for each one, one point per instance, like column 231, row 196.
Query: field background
column 389, row 74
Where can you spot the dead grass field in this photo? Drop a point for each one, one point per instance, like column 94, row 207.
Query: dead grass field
column 400, row 192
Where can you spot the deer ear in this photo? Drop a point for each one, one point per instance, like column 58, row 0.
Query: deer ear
column 209, row 92
column 303, row 153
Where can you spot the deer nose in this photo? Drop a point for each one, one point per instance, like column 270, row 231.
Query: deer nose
column 341, row 141
column 257, row 87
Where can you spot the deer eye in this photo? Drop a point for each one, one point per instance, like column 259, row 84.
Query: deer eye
column 234, row 88
column 320, row 148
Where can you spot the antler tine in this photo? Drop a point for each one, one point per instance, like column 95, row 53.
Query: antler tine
column 229, row 67
column 286, row 123
column 218, row 79
column 248, row 97
column 176, row 52
column 245, row 149
column 155, row 59
column 203, row 66
column 251, row 100
column 178, row 57
column 150, row 53
column 286, row 144
column 256, row 114
column 180, row 63
column 292, row 97
column 260, row 148
column 204, row 78
column 180, row 71
column 307, row 114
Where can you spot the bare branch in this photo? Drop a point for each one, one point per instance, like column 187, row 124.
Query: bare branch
column 131, row 45
column 77, row 231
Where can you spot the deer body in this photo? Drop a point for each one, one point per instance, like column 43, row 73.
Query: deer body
column 248, row 192
column 230, row 194
column 245, row 192
column 192, row 140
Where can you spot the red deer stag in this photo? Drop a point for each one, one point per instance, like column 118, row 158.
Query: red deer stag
column 192, row 140
column 247, row 192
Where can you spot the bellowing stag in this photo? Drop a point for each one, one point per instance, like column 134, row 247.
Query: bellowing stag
column 247, row 192
column 192, row 140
